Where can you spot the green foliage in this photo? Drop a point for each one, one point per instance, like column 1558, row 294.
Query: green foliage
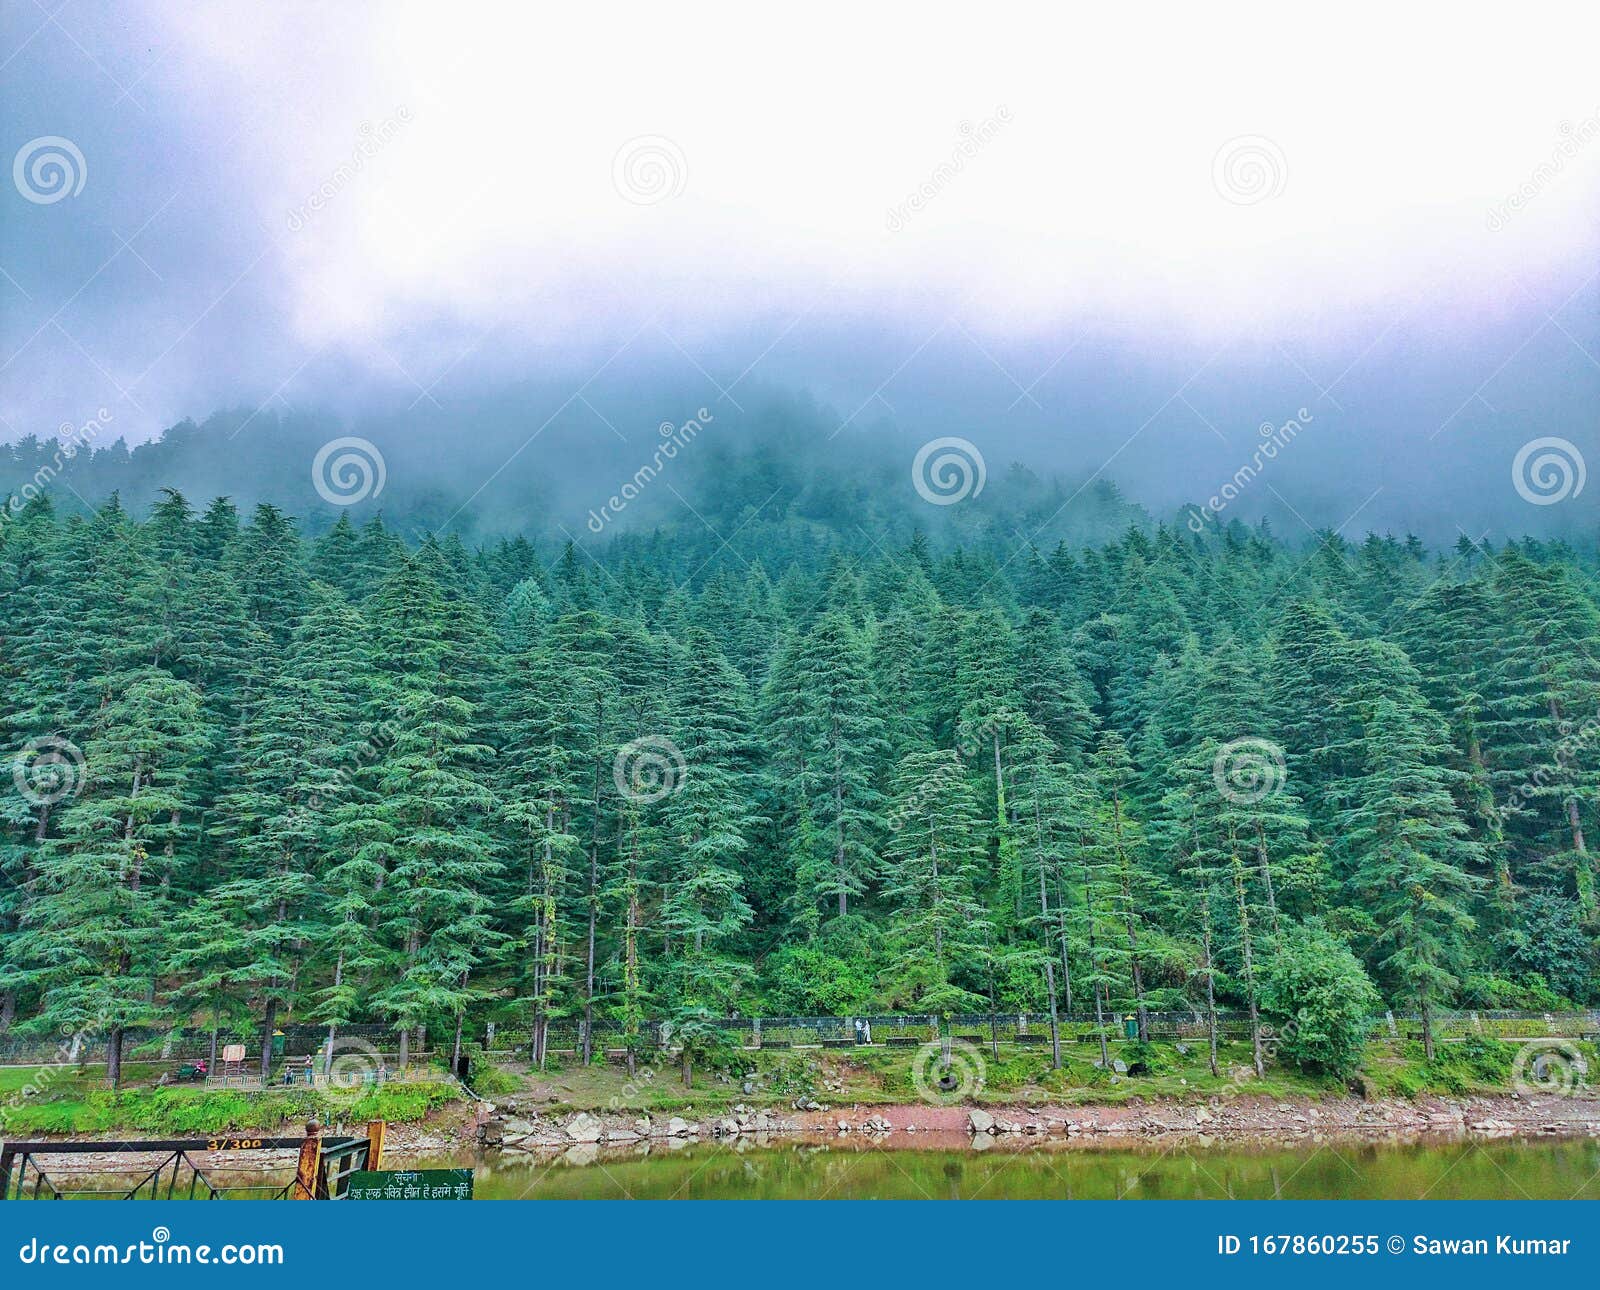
column 1319, row 1000
column 359, row 776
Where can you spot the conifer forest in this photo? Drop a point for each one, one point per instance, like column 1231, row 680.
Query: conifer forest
column 273, row 766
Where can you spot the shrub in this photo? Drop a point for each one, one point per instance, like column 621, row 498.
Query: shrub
column 1319, row 1000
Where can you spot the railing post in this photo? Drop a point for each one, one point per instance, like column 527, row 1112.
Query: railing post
column 305, row 1174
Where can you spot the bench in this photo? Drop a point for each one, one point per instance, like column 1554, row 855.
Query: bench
column 775, row 1043
column 903, row 1041
column 972, row 1039
column 838, row 1043
column 1031, row 1039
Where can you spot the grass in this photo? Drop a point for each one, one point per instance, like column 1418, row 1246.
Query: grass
column 66, row 1101
column 1021, row 1075
column 61, row 1100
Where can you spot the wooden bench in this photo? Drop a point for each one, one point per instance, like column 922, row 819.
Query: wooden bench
column 775, row 1043
column 838, row 1043
column 903, row 1041
column 1030, row 1039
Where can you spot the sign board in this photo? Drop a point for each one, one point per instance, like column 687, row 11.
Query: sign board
column 410, row 1184
column 233, row 1052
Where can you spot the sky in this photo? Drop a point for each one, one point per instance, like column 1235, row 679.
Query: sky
column 1104, row 242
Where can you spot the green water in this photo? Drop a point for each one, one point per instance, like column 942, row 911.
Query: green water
column 1545, row 1169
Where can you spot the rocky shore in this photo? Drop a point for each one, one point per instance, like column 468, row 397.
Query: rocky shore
column 1239, row 1121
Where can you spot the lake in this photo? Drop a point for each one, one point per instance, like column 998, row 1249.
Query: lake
column 853, row 1169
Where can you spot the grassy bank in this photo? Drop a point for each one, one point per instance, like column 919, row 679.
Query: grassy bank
column 78, row 1104
column 63, row 1101
column 886, row 1076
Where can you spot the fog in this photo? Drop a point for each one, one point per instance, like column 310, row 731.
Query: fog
column 506, row 245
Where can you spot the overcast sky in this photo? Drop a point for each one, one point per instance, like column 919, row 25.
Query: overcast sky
column 1116, row 240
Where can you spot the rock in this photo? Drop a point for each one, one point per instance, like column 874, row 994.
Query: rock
column 583, row 1127
column 1201, row 1115
column 581, row 1153
column 844, row 1126
column 726, row 1128
column 643, row 1126
column 1120, row 1066
column 520, row 1129
column 747, row 1088
column 980, row 1121
column 1183, row 1050
column 678, row 1127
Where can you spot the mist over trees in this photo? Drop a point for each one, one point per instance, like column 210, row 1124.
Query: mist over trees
column 874, row 755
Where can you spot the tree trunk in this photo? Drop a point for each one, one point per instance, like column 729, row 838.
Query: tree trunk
column 688, row 1070
column 1049, row 971
column 1582, row 873
column 405, row 1046
column 1211, row 978
column 268, row 1024
column 1266, row 877
column 114, row 1057
column 1249, row 969
column 455, row 1051
column 1427, row 1026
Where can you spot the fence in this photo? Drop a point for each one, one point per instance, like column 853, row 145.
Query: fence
column 905, row 1029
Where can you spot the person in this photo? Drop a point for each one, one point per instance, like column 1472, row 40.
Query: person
column 860, row 1031
column 311, row 1071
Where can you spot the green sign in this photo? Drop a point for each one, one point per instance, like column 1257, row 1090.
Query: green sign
column 410, row 1184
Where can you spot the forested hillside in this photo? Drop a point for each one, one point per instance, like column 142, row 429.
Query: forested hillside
column 376, row 776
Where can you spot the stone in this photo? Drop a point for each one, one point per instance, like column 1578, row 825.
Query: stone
column 677, row 1127
column 1201, row 1115
column 1120, row 1066
column 980, row 1121
column 727, row 1128
column 520, row 1129
column 583, row 1127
